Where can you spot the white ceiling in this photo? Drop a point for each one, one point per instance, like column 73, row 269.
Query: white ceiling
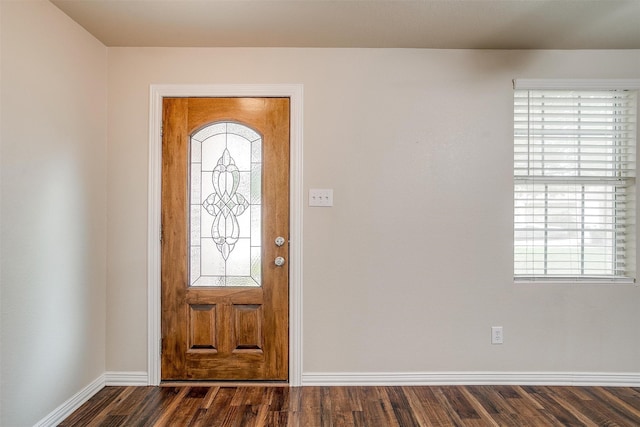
column 449, row 24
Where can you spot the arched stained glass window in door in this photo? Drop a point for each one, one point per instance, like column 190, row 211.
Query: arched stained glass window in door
column 225, row 205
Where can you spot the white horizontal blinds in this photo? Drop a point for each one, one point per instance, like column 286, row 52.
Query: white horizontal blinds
column 574, row 167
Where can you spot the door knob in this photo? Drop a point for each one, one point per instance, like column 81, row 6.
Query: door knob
column 279, row 261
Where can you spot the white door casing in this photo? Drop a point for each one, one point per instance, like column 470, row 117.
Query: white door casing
column 157, row 92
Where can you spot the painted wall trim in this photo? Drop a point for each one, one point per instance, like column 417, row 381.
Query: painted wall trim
column 613, row 379
column 126, row 378
column 73, row 403
column 159, row 91
column 576, row 84
column 604, row 379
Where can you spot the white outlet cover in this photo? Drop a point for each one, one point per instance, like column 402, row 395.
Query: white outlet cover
column 497, row 336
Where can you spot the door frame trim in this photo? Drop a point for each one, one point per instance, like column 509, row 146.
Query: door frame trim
column 156, row 94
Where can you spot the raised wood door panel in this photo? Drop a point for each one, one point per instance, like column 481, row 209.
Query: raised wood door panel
column 227, row 332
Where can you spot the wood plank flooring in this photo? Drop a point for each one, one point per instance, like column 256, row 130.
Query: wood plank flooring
column 360, row 406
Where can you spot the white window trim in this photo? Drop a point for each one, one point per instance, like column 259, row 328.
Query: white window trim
column 554, row 281
column 586, row 84
column 578, row 84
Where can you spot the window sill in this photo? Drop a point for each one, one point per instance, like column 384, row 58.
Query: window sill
column 573, row 281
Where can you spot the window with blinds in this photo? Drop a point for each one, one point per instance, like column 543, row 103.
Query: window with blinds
column 574, row 185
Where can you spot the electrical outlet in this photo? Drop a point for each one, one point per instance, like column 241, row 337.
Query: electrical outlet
column 496, row 335
column 320, row 197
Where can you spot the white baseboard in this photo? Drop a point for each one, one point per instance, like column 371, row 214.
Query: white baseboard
column 126, row 378
column 73, row 403
column 472, row 378
column 106, row 379
column 141, row 378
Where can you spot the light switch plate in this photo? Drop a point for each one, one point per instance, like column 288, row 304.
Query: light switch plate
column 321, row 197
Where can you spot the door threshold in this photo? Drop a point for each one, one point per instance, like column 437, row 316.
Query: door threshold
column 219, row 383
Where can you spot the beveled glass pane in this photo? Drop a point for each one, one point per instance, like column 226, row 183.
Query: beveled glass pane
column 239, row 261
column 256, row 183
column 256, row 225
column 225, row 200
column 196, row 151
column 242, row 152
column 211, row 263
column 256, row 265
column 209, row 131
column 256, row 151
column 241, row 281
column 195, row 263
column 243, row 131
column 212, row 150
column 196, row 182
column 195, row 225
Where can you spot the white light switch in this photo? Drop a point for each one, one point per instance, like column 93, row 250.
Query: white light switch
column 320, row 197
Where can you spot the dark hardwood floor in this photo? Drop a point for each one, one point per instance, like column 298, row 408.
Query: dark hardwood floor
column 361, row 406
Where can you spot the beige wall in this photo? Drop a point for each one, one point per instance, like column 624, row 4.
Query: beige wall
column 53, row 228
column 407, row 272
column 413, row 265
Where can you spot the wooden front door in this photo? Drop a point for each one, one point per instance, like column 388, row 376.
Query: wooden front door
column 225, row 222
